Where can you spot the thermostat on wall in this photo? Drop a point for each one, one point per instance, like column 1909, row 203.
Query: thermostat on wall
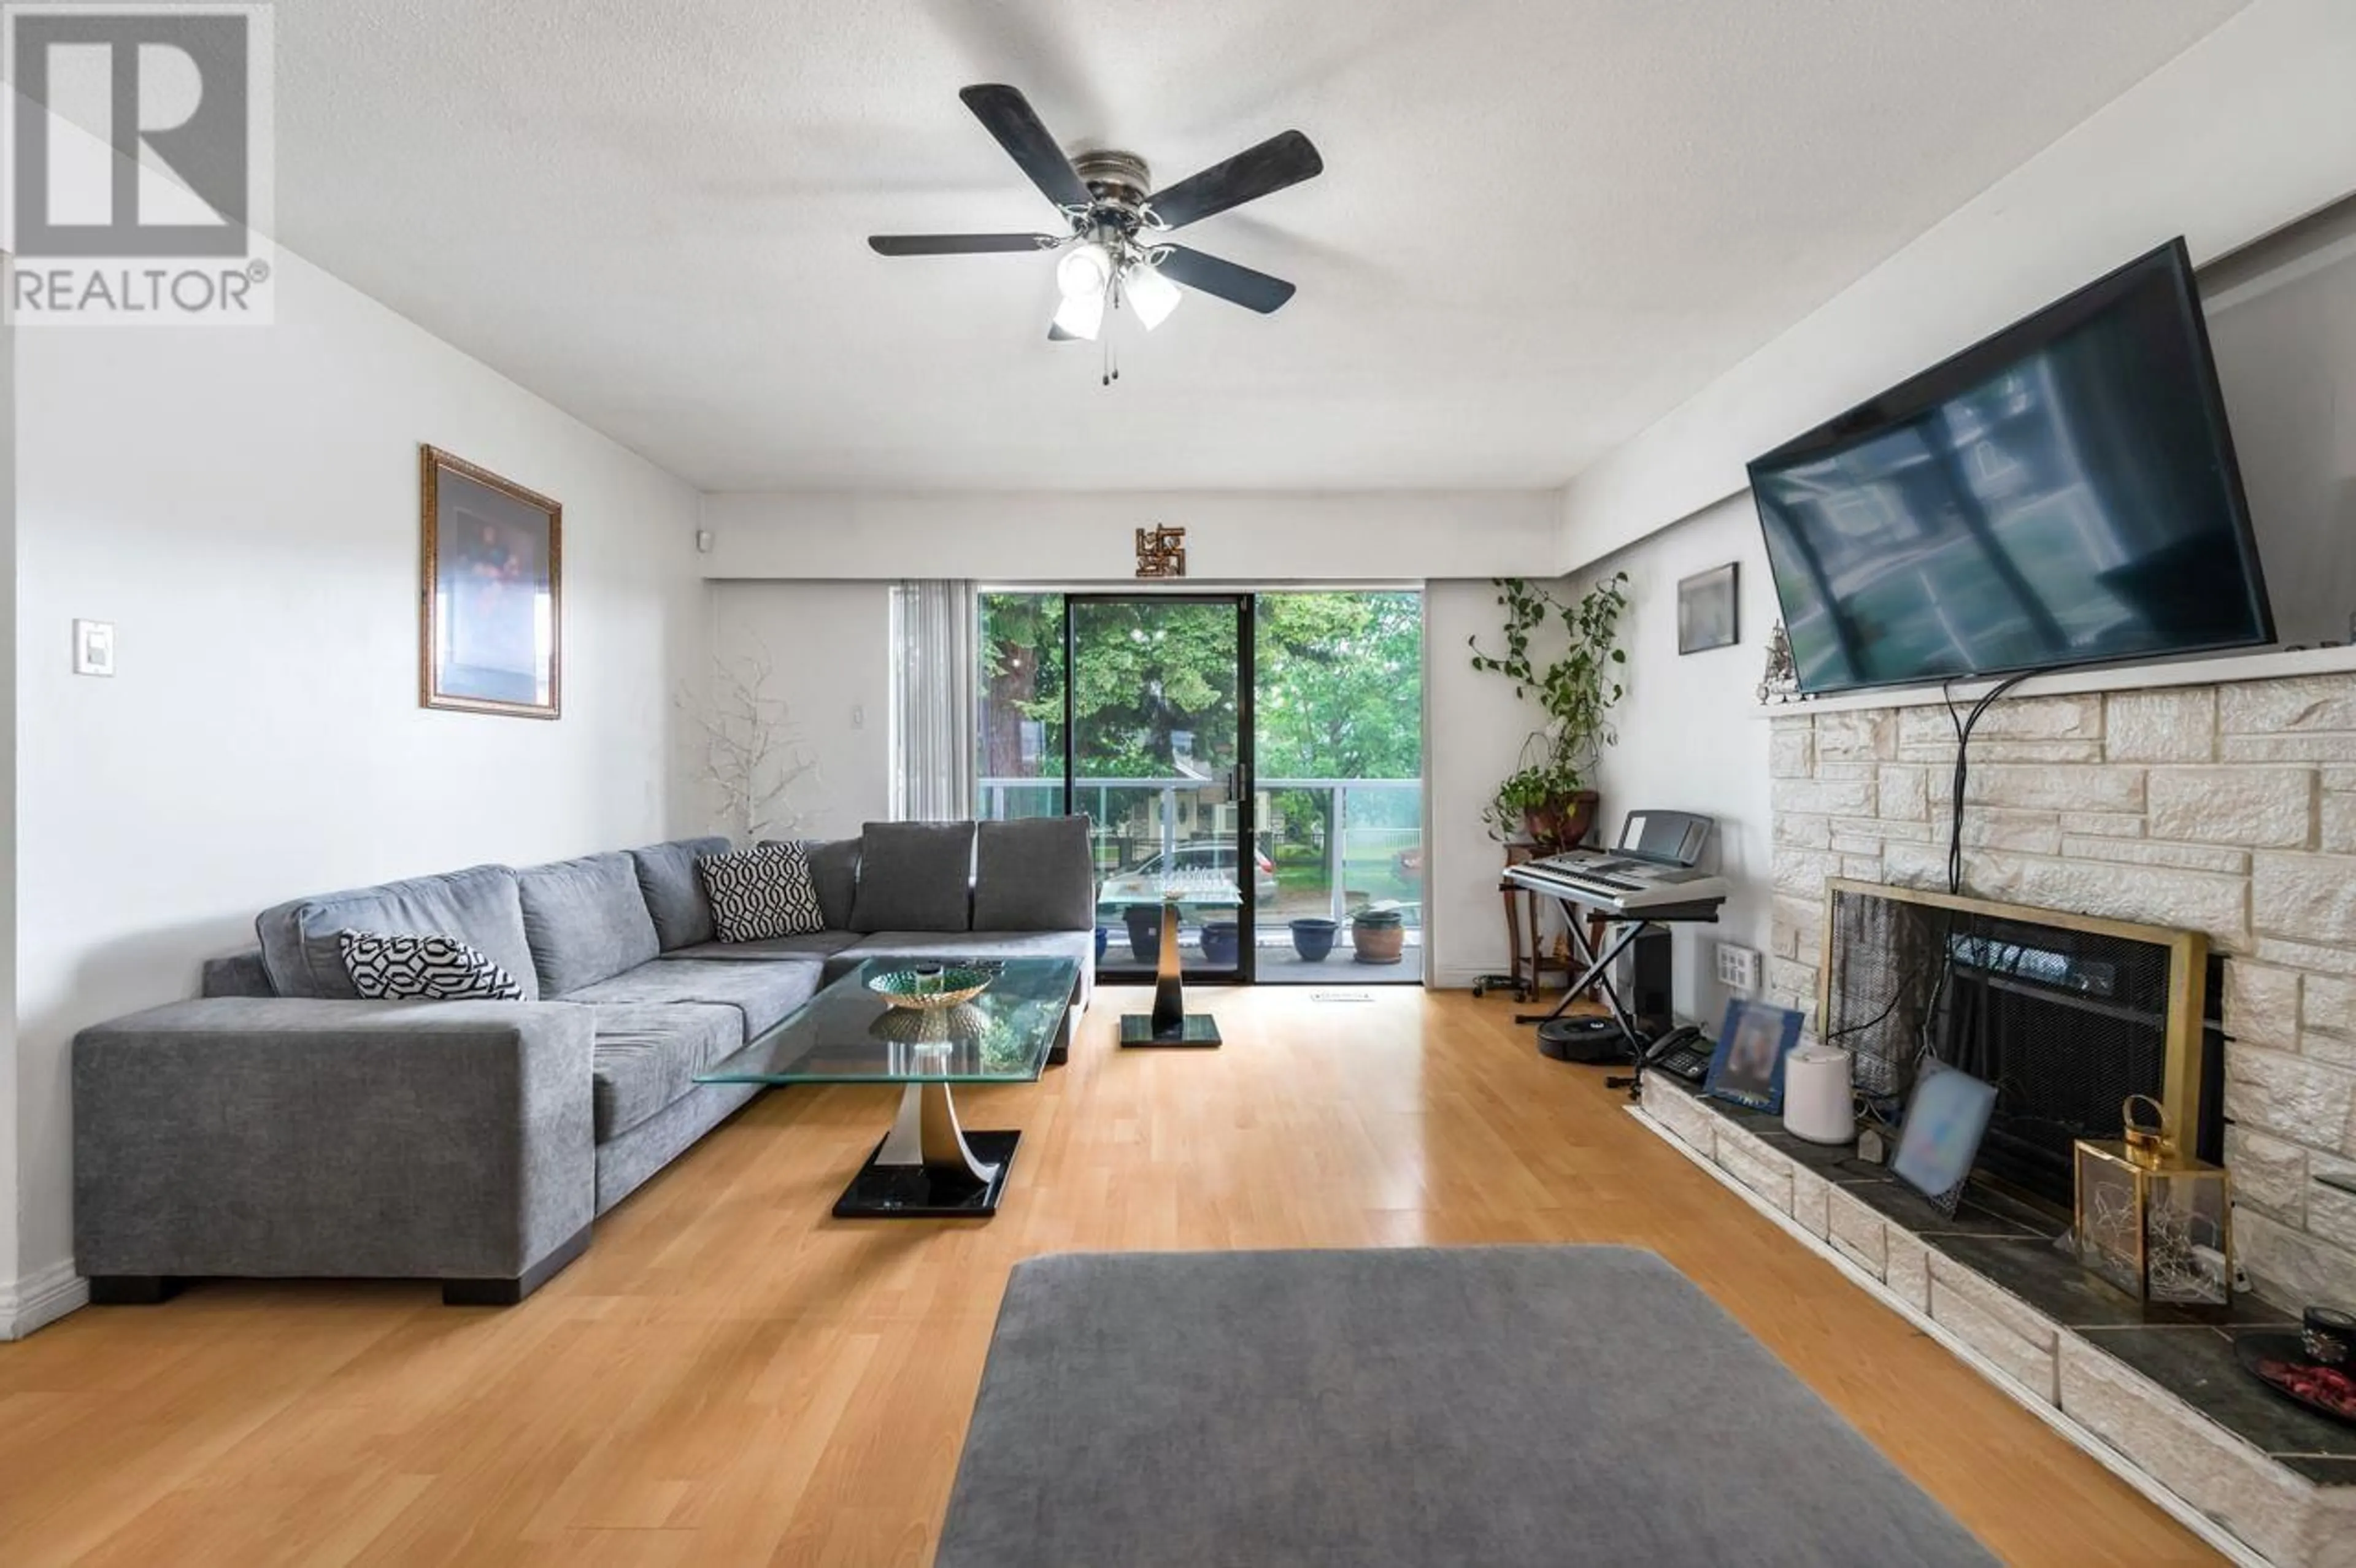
column 93, row 647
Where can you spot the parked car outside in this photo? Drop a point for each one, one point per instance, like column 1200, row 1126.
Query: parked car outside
column 1143, row 884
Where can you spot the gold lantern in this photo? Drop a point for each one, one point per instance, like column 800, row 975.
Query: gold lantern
column 2152, row 1221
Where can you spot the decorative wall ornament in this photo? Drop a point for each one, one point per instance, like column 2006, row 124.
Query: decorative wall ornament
column 491, row 609
column 1161, row 552
column 753, row 756
column 1781, row 679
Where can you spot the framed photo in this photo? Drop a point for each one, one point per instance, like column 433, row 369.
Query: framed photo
column 1706, row 610
column 491, row 596
column 1945, row 1121
column 1747, row 1065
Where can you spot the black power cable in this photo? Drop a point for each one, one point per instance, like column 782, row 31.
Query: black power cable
column 1964, row 727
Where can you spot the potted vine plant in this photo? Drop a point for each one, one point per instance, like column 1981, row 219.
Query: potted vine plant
column 1548, row 797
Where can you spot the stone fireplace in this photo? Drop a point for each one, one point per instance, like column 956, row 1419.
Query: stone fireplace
column 2228, row 809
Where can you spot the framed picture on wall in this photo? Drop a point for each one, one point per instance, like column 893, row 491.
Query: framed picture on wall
column 491, row 593
column 1706, row 610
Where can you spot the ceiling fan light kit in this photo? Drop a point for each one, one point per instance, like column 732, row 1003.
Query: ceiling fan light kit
column 1114, row 254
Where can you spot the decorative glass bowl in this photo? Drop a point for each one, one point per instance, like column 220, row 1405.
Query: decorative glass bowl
column 929, row 989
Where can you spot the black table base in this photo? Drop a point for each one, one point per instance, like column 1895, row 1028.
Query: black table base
column 928, row 1192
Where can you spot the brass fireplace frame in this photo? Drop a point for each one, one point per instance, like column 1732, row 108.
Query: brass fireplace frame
column 2183, row 1084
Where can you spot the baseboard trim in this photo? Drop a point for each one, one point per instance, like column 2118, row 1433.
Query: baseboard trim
column 40, row 1299
column 2232, row 1547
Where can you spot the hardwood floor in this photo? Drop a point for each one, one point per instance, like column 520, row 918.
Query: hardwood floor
column 731, row 1376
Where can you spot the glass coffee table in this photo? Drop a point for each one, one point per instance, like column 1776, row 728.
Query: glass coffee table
column 927, row 1166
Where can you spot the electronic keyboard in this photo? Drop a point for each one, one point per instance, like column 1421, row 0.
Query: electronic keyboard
column 1617, row 883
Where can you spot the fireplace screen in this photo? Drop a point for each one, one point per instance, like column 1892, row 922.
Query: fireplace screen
column 2066, row 1014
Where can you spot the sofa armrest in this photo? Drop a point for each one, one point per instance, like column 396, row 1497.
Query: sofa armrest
column 284, row 1136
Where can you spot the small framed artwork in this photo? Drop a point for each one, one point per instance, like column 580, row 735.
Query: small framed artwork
column 1706, row 610
column 491, row 612
column 1945, row 1121
column 1747, row 1065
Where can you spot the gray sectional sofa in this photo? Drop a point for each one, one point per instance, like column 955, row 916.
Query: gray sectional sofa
column 280, row 1126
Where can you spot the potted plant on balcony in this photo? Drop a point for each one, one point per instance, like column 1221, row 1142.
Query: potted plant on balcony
column 1313, row 938
column 1548, row 797
column 1378, row 935
column 1144, row 922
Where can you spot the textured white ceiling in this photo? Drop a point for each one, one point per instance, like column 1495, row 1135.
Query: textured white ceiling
column 1541, row 225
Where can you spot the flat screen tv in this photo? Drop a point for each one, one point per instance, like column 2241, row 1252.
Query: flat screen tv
column 2061, row 492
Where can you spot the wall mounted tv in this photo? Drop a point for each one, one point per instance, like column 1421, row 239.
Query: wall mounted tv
column 2061, row 492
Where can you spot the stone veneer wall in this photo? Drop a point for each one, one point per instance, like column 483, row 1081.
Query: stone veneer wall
column 2228, row 809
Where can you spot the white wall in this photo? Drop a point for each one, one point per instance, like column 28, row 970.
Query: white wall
column 242, row 503
column 829, row 645
column 1474, row 729
column 11, row 1301
column 2250, row 129
column 1690, row 738
column 2283, row 323
column 992, row 537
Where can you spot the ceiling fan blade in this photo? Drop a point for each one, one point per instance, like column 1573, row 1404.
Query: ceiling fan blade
column 1285, row 158
column 1237, row 284
column 1006, row 114
column 956, row 244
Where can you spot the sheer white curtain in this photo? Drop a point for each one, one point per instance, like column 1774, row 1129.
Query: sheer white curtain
column 933, row 696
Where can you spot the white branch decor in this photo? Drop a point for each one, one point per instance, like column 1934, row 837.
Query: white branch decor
column 753, row 754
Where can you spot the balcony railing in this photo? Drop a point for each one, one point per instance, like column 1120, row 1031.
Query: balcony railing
column 1358, row 861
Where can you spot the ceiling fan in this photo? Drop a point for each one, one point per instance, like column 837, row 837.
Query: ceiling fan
column 1114, row 253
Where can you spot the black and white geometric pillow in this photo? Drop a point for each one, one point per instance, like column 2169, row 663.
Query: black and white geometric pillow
column 422, row 969
column 760, row 892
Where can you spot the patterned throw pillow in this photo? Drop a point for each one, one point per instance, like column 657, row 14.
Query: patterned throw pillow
column 760, row 892
column 422, row 969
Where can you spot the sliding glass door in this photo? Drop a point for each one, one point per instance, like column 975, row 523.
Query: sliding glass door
column 1157, row 727
column 1260, row 754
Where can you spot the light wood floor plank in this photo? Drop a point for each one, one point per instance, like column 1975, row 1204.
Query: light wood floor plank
column 730, row 1376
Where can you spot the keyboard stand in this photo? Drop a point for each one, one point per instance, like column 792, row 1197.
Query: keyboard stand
column 1597, row 972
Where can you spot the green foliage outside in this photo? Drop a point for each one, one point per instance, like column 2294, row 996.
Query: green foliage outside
column 1340, row 686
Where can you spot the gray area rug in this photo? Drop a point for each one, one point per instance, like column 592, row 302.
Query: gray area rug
column 1481, row 1405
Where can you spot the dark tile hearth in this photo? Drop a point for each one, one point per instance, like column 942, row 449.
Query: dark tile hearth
column 2013, row 1245
column 2199, row 1366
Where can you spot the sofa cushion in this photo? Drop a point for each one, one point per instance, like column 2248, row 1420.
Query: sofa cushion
column 585, row 919
column 422, row 969
column 646, row 1057
column 764, row 995
column 834, row 866
column 815, row 944
column 1035, row 874
column 915, row 876
column 479, row 907
column 947, row 946
column 674, row 894
column 761, row 892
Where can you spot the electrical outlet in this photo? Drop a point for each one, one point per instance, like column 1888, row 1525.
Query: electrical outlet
column 1738, row 967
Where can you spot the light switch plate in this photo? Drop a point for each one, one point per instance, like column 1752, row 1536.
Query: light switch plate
column 93, row 642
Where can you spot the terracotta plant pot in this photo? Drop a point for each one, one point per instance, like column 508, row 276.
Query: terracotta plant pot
column 1378, row 936
column 1559, row 824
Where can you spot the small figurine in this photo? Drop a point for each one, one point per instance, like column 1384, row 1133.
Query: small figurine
column 1781, row 680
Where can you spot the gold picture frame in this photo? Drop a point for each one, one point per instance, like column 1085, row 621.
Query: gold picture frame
column 490, row 592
